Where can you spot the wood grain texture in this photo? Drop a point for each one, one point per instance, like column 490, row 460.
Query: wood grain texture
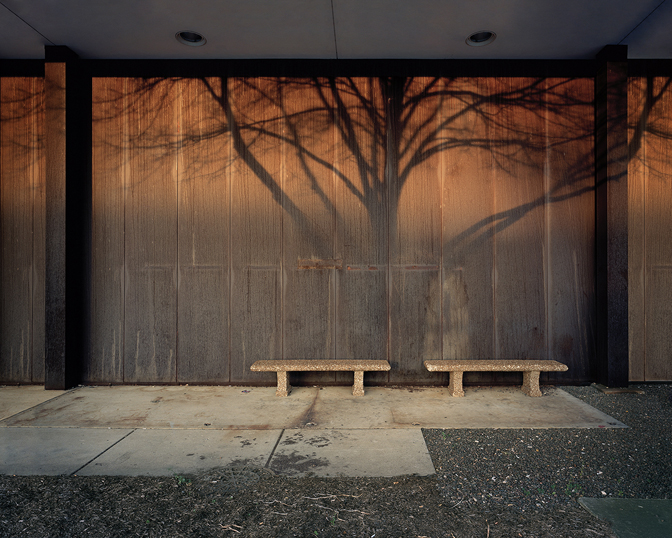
column 268, row 218
column 38, row 172
column 658, row 297
column 468, row 227
column 362, row 230
column 256, row 231
column 57, row 361
column 203, row 236
column 518, row 145
column 151, row 233
column 637, row 116
column 110, row 154
column 309, row 300
column 21, row 230
column 415, row 228
column 570, row 221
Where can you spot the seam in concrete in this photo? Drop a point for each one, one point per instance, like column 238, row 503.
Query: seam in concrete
column 40, row 404
column 103, row 452
column 268, row 462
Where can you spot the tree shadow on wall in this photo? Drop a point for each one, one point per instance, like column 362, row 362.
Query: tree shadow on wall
column 407, row 174
column 373, row 136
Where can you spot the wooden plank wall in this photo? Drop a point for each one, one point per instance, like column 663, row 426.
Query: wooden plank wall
column 650, row 228
column 257, row 218
column 22, row 230
column 256, row 240
column 362, row 322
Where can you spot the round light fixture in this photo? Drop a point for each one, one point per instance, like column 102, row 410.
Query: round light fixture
column 192, row 39
column 480, row 39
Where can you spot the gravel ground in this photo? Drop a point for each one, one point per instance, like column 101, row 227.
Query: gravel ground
column 531, row 469
column 489, row 483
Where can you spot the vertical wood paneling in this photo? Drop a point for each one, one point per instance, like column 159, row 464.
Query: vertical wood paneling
column 151, row 233
column 256, row 229
column 415, row 229
column 465, row 178
column 359, row 161
column 22, row 208
column 658, row 233
column 38, row 173
column 570, row 224
column 517, row 142
column 203, row 236
column 468, row 228
column 109, row 153
column 309, row 305
column 636, row 228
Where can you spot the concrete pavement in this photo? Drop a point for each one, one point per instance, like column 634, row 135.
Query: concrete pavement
column 166, row 430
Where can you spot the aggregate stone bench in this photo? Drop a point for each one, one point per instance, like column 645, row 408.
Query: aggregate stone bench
column 530, row 368
column 320, row 365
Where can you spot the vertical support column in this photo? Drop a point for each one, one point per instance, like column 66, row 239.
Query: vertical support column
column 68, row 217
column 611, row 225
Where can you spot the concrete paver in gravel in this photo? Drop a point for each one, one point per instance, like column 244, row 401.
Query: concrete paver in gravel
column 352, row 453
column 165, row 453
column 52, row 451
column 633, row 518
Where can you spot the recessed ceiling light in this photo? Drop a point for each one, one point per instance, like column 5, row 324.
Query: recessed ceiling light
column 193, row 39
column 480, row 39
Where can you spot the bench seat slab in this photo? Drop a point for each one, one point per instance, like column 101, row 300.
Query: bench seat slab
column 282, row 367
column 530, row 368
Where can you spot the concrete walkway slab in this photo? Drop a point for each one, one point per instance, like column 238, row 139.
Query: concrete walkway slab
column 165, row 453
column 493, row 407
column 13, row 400
column 165, row 430
column 257, row 408
column 352, row 453
column 633, row 518
column 170, row 407
column 52, row 451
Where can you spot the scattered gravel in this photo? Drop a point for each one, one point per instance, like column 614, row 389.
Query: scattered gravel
column 489, row 484
column 533, row 468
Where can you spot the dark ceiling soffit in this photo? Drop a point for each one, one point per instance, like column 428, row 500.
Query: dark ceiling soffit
column 460, row 68
column 613, row 53
column 339, row 68
column 58, row 53
column 21, row 68
column 650, row 68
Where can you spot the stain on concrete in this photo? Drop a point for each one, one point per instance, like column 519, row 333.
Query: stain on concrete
column 319, row 441
column 292, row 439
column 307, row 418
column 295, row 463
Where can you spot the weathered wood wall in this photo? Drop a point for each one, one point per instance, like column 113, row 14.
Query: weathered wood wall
column 22, row 230
column 650, row 228
column 255, row 218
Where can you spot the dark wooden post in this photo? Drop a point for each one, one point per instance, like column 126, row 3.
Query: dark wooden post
column 611, row 169
column 68, row 217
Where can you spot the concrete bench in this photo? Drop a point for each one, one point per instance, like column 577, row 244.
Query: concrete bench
column 282, row 367
column 530, row 368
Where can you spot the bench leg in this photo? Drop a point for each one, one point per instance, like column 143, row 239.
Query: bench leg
column 531, row 383
column 455, row 384
column 283, row 384
column 358, row 386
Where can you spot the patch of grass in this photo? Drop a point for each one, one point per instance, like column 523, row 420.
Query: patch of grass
column 182, row 480
column 572, row 488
